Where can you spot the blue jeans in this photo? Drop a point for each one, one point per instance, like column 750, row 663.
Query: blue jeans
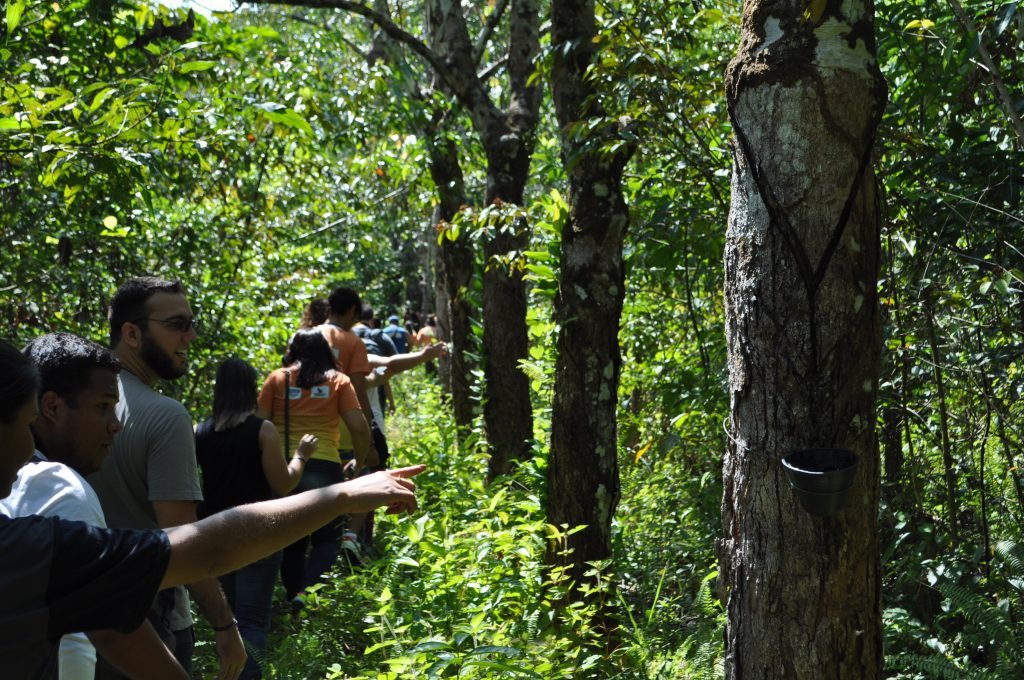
column 250, row 591
column 297, row 571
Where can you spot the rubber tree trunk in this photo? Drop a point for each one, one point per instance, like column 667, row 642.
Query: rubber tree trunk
column 802, row 258
column 507, row 136
column 454, row 274
column 583, row 473
column 508, row 414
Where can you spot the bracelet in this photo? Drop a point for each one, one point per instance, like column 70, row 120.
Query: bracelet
column 227, row 626
column 298, row 457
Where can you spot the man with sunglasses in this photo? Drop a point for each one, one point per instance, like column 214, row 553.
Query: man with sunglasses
column 150, row 479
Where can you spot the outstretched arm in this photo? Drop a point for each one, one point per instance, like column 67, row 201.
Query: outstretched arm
column 240, row 536
column 403, row 362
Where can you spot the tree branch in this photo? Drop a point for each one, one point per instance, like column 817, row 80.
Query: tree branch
column 485, row 33
column 492, row 69
column 387, row 25
column 986, row 58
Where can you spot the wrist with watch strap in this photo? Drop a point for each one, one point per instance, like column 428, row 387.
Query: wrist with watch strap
column 228, row 626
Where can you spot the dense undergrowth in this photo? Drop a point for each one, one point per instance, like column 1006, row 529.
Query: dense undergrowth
column 459, row 588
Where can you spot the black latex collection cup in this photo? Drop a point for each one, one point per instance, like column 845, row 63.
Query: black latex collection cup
column 821, row 478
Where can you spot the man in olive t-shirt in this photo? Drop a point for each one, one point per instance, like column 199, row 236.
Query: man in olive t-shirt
column 150, row 479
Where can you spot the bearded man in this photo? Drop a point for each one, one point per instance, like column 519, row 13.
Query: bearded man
column 150, row 479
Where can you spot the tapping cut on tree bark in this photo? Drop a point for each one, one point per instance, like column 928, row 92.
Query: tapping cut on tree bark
column 805, row 97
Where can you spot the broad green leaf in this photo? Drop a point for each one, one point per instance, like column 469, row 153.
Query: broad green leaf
column 190, row 66
column 14, row 12
column 289, row 118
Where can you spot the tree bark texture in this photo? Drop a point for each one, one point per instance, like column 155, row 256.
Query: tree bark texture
column 802, row 254
column 508, row 142
column 583, row 473
column 455, row 272
column 507, row 136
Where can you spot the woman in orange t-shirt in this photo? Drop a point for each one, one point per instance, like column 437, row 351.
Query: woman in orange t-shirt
column 310, row 396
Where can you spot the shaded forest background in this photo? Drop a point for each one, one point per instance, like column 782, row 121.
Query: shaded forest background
column 268, row 154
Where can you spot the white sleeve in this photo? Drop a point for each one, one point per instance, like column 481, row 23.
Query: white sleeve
column 57, row 491
column 77, row 658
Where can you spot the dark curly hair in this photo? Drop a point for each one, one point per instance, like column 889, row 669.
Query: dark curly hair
column 66, row 361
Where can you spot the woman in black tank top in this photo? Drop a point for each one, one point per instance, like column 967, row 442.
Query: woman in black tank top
column 240, row 456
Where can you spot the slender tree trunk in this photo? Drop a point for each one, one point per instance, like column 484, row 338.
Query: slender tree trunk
column 892, row 441
column 802, row 255
column 583, row 473
column 952, row 505
column 454, row 274
column 507, row 136
column 508, row 414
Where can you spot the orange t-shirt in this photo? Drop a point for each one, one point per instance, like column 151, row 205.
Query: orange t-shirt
column 350, row 355
column 315, row 410
column 348, row 350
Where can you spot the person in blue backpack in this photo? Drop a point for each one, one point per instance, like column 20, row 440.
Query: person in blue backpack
column 399, row 336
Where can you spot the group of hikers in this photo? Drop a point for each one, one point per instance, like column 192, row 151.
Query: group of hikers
column 292, row 469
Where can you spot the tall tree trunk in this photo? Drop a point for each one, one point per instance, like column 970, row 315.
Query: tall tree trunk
column 507, row 136
column 802, row 254
column 952, row 504
column 508, row 415
column 583, row 472
column 454, row 273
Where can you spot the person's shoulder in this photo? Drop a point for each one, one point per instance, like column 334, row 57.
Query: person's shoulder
column 205, row 428
column 54, row 489
column 137, row 394
column 331, row 332
column 45, row 476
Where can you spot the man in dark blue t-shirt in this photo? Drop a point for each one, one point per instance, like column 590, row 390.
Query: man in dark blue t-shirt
column 63, row 577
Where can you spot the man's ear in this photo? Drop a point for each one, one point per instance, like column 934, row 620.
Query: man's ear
column 50, row 404
column 131, row 334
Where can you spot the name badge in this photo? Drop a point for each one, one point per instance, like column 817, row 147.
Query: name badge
column 320, row 392
column 294, row 393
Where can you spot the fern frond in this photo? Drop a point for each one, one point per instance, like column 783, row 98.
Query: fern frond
column 1010, row 551
column 933, row 667
column 980, row 611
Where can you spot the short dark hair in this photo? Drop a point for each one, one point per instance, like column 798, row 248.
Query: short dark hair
column 234, row 393
column 343, row 299
column 66, row 361
column 19, row 381
column 309, row 348
column 366, row 313
column 129, row 303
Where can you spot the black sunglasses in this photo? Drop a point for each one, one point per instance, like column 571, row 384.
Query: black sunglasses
column 182, row 324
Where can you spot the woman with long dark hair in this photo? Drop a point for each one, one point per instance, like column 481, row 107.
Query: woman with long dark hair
column 240, row 456
column 310, row 395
